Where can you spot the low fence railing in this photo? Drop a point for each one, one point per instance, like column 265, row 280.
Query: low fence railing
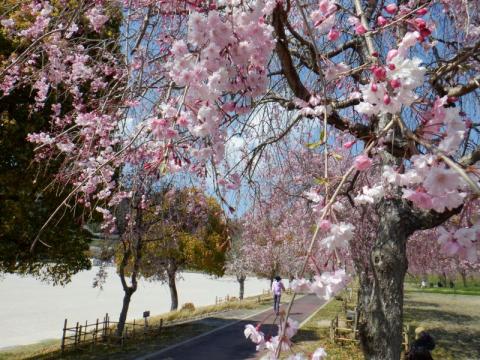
column 105, row 332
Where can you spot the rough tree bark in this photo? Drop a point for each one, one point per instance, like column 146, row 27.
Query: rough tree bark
column 382, row 294
column 463, row 274
column 171, row 273
column 132, row 249
column 241, row 282
column 381, row 289
column 127, row 290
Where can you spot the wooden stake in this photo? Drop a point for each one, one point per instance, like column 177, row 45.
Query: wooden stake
column 62, row 347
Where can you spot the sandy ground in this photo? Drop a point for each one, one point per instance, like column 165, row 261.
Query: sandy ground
column 31, row 311
column 453, row 320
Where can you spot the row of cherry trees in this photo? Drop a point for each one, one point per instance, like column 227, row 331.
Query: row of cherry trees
column 385, row 93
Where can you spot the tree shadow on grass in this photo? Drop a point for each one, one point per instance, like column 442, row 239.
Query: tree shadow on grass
column 416, row 304
column 426, row 315
column 461, row 344
column 307, row 335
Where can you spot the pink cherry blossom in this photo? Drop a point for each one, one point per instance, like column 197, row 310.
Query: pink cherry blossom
column 360, row 29
column 391, row 9
column 319, row 354
column 333, row 34
column 349, row 144
column 362, row 162
column 97, row 18
column 381, row 21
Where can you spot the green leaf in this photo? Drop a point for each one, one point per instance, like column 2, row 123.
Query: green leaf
column 323, row 136
column 320, row 181
column 336, row 156
column 314, row 145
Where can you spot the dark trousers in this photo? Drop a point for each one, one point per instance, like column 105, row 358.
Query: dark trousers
column 276, row 303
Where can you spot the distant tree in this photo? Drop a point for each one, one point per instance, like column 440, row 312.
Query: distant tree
column 238, row 263
column 186, row 230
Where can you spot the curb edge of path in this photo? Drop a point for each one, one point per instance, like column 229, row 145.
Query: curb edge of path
column 314, row 313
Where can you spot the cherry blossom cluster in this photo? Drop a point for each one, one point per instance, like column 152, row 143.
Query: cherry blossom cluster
column 218, row 58
column 270, row 344
column 393, row 84
column 324, row 286
column 462, row 242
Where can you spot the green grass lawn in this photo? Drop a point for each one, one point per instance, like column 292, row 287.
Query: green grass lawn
column 315, row 334
column 472, row 286
column 453, row 321
column 459, row 291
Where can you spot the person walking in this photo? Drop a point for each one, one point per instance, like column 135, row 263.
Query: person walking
column 277, row 288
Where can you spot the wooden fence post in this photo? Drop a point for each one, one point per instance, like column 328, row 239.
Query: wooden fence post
column 96, row 334
column 76, row 336
column 160, row 326
column 80, row 335
column 63, row 336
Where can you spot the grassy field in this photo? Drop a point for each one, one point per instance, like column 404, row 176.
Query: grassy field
column 315, row 334
column 170, row 335
column 471, row 287
column 453, row 321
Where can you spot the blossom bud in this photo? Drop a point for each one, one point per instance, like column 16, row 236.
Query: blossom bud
column 374, row 87
column 333, row 34
column 325, row 225
column 395, row 83
column 381, row 21
column 386, row 99
column 421, row 23
column 391, row 9
column 422, row 11
column 348, row 144
column 360, row 29
column 379, row 72
column 392, row 66
column 424, row 32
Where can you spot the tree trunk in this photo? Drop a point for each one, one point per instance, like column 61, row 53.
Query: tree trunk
column 130, row 250
column 463, row 274
column 443, row 279
column 123, row 314
column 381, row 295
column 241, row 282
column 173, row 289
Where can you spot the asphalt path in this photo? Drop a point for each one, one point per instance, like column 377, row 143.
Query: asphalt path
column 227, row 342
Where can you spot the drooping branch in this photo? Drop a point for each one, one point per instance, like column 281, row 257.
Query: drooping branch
column 288, row 67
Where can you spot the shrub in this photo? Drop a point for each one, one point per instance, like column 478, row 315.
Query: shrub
column 188, row 307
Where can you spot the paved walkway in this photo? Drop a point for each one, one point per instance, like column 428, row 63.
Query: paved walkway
column 227, row 342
